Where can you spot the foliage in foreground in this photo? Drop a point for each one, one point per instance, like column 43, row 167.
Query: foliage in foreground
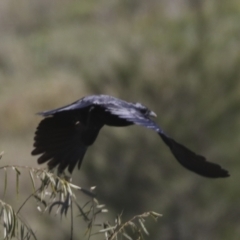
column 54, row 193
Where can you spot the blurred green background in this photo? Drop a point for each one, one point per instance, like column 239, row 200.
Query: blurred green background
column 180, row 58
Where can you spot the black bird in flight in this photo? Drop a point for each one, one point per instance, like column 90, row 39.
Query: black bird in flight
column 63, row 136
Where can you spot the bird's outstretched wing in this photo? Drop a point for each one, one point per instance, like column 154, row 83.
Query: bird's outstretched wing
column 59, row 141
column 83, row 103
column 78, row 105
column 184, row 156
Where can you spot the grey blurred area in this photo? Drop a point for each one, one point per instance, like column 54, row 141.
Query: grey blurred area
column 179, row 58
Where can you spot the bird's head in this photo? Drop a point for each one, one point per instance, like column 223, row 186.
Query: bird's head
column 144, row 110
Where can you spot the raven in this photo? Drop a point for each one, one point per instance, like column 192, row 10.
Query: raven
column 65, row 133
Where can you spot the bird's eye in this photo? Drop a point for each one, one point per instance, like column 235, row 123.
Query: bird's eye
column 144, row 111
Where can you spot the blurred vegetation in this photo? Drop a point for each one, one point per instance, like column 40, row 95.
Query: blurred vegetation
column 57, row 194
column 180, row 58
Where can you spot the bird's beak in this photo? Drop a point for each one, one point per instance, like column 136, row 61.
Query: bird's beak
column 152, row 114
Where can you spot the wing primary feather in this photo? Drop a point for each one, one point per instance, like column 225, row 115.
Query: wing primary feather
column 193, row 161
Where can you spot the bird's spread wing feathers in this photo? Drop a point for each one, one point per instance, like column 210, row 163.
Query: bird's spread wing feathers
column 85, row 102
column 80, row 104
column 193, row 161
column 59, row 143
column 184, row 156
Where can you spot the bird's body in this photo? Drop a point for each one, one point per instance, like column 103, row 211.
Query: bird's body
column 65, row 133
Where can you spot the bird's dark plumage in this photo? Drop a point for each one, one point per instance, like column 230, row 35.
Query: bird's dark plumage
column 65, row 133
